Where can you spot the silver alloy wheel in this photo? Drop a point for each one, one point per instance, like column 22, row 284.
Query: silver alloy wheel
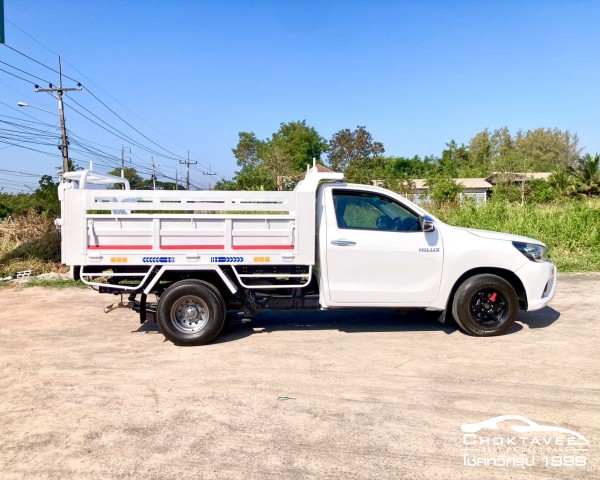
column 189, row 314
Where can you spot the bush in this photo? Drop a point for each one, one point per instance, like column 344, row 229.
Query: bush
column 443, row 190
column 538, row 191
column 571, row 228
column 506, row 192
column 29, row 242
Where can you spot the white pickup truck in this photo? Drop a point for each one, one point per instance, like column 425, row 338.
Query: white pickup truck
column 188, row 258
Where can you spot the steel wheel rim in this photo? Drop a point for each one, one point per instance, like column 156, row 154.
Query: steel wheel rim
column 189, row 314
column 488, row 307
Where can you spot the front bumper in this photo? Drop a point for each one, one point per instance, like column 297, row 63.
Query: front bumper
column 539, row 280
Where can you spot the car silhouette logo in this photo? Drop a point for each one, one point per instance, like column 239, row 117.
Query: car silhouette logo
column 520, row 424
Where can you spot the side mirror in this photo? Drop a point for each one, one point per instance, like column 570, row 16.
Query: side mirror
column 427, row 223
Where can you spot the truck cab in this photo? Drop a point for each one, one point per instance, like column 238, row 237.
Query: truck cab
column 187, row 258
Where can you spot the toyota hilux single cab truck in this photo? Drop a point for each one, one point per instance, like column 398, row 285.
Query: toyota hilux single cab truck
column 188, row 258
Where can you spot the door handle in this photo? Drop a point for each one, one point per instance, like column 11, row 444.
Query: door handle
column 343, row 243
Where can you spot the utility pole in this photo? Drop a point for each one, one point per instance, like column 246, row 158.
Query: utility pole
column 123, row 147
column 188, row 169
column 210, row 173
column 61, row 113
column 153, row 175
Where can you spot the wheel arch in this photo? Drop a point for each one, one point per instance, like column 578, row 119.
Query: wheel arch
column 213, row 275
column 507, row 275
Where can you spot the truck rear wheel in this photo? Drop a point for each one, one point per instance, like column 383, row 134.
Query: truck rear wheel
column 485, row 305
column 191, row 312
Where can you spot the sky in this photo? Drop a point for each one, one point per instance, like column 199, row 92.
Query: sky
column 189, row 75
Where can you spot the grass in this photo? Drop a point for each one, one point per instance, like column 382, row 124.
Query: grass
column 571, row 228
column 56, row 283
column 29, row 242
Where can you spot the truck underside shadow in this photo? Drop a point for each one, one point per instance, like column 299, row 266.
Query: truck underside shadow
column 539, row 318
column 346, row 320
column 356, row 321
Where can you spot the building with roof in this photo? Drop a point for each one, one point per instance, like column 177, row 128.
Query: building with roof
column 479, row 189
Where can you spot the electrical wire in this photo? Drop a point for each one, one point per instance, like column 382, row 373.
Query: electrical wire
column 23, row 71
column 21, row 112
column 33, row 59
column 95, row 96
column 21, row 78
column 119, row 134
column 78, row 71
column 14, row 172
column 116, row 132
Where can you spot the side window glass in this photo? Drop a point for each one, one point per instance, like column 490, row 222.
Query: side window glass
column 366, row 211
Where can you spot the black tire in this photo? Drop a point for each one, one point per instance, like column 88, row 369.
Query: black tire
column 485, row 305
column 191, row 312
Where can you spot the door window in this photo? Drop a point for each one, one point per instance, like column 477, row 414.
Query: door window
column 371, row 211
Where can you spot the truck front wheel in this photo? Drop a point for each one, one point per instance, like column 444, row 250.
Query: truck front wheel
column 191, row 312
column 485, row 305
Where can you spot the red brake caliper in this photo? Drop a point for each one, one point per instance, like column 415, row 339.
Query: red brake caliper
column 493, row 297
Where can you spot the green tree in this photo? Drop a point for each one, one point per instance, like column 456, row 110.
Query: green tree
column 538, row 191
column 47, row 195
column 225, row 185
column 347, row 146
column 136, row 182
column 285, row 154
column 546, row 148
column 367, row 169
column 293, row 147
column 480, row 154
column 587, row 174
column 247, row 150
column 507, row 192
column 454, row 160
column 443, row 189
column 562, row 182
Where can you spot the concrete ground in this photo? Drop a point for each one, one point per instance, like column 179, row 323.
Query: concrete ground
column 303, row 395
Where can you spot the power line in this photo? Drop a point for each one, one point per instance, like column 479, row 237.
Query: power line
column 130, row 125
column 210, row 174
column 30, row 121
column 14, row 172
column 119, row 133
column 21, row 112
column 32, row 149
column 80, row 73
column 33, row 59
column 17, row 76
column 94, row 96
column 23, row 71
column 188, row 163
column 60, row 90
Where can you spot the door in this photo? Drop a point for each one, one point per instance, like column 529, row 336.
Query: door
column 377, row 253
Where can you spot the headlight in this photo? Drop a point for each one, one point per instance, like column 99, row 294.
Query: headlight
column 533, row 251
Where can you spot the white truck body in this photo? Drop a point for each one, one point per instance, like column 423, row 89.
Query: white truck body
column 354, row 245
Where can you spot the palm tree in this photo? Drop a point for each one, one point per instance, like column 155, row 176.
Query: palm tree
column 563, row 182
column 588, row 174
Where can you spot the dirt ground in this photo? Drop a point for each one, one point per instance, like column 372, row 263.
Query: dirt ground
column 340, row 395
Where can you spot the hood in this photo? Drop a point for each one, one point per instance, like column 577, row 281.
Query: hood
column 499, row 236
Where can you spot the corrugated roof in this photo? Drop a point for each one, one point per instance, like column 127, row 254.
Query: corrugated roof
column 518, row 176
column 481, row 183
